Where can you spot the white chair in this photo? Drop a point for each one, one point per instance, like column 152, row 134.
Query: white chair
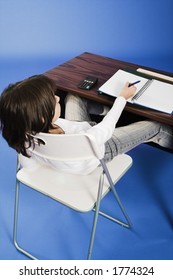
column 79, row 192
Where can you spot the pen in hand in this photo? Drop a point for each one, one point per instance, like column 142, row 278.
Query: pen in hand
column 132, row 84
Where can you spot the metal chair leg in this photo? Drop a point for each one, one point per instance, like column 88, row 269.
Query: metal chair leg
column 128, row 224
column 16, row 207
column 101, row 182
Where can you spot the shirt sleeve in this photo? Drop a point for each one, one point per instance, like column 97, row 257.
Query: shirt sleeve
column 104, row 130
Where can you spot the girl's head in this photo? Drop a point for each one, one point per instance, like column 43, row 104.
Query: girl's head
column 27, row 107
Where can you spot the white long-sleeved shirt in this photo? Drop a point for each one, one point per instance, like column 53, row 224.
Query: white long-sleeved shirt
column 101, row 131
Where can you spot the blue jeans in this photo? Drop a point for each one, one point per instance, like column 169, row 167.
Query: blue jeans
column 123, row 138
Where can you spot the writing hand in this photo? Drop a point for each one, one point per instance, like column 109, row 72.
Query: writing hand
column 127, row 92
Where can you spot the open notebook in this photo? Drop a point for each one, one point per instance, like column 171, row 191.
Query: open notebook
column 150, row 93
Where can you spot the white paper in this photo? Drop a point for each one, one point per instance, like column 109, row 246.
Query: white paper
column 158, row 96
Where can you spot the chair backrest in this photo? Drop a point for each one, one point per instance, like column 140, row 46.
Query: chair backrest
column 66, row 146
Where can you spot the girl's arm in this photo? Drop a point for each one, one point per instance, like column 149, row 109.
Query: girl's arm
column 104, row 130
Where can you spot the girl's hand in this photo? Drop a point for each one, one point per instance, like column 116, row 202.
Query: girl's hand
column 127, row 92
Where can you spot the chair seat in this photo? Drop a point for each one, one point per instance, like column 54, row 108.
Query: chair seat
column 78, row 192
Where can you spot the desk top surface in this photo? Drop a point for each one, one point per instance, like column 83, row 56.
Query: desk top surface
column 69, row 74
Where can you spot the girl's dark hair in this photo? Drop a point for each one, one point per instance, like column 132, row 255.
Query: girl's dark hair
column 26, row 108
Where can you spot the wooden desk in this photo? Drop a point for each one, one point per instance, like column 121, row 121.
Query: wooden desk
column 69, row 74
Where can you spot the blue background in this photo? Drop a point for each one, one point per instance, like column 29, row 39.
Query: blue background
column 37, row 35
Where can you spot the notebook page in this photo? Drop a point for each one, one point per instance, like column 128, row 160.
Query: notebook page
column 114, row 85
column 158, row 96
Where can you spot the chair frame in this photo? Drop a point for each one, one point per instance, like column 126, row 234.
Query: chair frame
column 96, row 209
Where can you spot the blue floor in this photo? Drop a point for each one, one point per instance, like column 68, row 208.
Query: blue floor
column 51, row 231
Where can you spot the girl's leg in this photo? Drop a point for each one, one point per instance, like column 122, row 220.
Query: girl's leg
column 76, row 108
column 79, row 109
column 124, row 138
column 127, row 137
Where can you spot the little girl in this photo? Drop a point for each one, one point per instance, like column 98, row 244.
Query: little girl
column 31, row 106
